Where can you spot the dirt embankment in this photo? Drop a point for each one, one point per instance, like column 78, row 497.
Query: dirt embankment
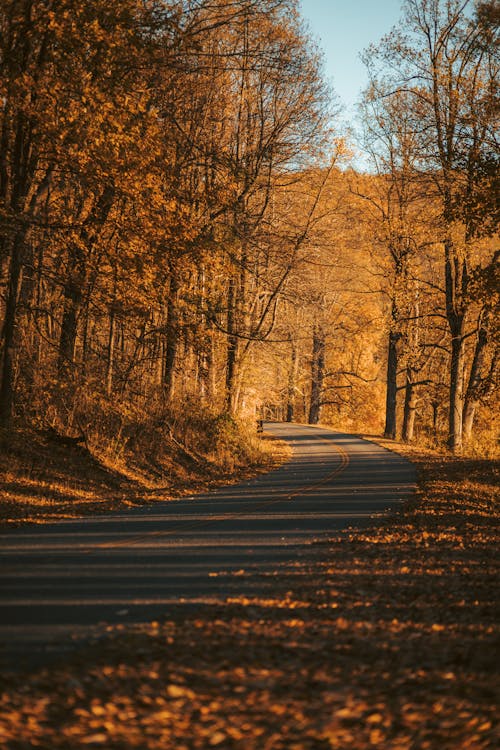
column 46, row 477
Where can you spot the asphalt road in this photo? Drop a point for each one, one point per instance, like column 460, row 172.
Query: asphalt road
column 69, row 579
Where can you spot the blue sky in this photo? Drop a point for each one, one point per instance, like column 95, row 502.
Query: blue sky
column 343, row 28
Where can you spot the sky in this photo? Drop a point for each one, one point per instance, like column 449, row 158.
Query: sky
column 343, row 29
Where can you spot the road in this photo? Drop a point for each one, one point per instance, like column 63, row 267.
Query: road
column 67, row 579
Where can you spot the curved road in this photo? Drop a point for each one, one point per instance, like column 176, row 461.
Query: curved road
column 75, row 576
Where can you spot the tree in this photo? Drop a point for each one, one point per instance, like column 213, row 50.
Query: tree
column 395, row 198
column 68, row 125
column 448, row 74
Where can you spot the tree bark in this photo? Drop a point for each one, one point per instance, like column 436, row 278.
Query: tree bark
column 110, row 353
column 455, row 422
column 172, row 338
column 292, row 379
column 435, row 416
column 456, row 280
column 317, row 374
column 392, row 388
column 76, row 276
column 410, row 407
column 471, row 396
column 9, row 329
column 232, row 348
column 73, row 296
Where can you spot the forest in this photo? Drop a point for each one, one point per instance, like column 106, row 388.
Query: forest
column 187, row 244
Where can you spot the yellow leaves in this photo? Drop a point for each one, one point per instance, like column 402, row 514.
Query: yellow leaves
column 485, row 726
column 159, row 717
column 95, row 739
column 294, row 623
column 217, row 739
column 179, row 692
column 97, row 709
column 342, row 624
column 348, row 712
column 375, row 718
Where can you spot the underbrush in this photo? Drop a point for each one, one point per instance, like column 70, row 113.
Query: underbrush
column 484, row 443
column 166, row 444
column 105, row 456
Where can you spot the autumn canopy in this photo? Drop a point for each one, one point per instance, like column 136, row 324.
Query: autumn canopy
column 182, row 237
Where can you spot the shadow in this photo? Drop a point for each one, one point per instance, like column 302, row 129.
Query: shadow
column 87, row 571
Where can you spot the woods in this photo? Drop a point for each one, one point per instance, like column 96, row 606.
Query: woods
column 182, row 231
column 193, row 240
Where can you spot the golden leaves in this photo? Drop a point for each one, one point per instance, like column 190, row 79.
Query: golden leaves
column 179, row 691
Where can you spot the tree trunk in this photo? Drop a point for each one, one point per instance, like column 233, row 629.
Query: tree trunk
column 292, row 379
column 206, row 374
column 435, row 416
column 392, row 387
column 471, row 396
column 410, row 408
column 172, row 340
column 69, row 325
column 76, row 277
column 9, row 329
column 14, row 286
column 205, row 363
column 456, row 282
column 455, row 431
column 232, row 349
column 110, row 353
column 208, row 383
column 317, row 374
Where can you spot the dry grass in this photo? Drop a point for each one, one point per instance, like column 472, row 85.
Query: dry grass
column 44, row 478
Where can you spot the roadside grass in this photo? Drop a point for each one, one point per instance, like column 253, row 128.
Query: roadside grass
column 45, row 477
column 384, row 637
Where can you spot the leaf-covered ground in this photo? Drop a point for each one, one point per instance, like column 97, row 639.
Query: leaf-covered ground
column 385, row 638
column 45, row 477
